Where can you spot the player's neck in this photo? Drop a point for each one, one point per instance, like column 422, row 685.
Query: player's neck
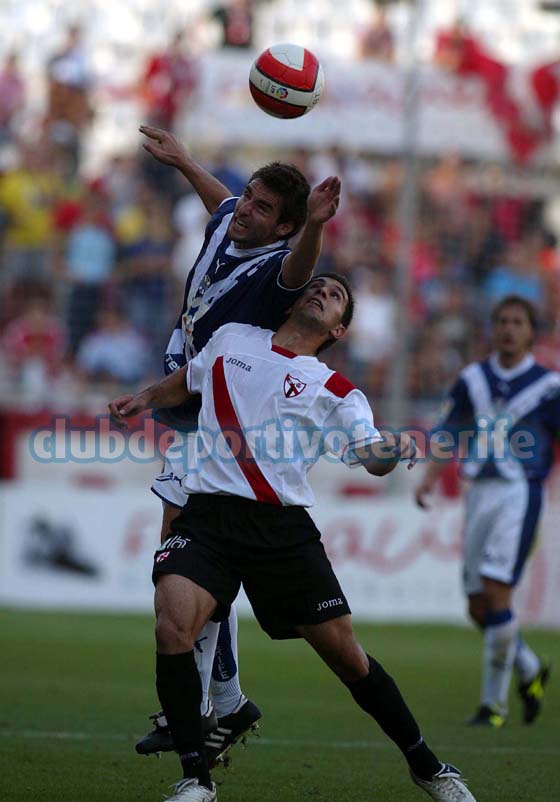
column 509, row 361
column 292, row 338
column 251, row 246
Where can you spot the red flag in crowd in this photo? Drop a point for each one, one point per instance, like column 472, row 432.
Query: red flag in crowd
column 522, row 101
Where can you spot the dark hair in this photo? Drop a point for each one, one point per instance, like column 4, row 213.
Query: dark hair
column 292, row 186
column 346, row 318
column 517, row 300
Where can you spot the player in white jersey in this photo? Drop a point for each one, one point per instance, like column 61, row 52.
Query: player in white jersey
column 269, row 410
column 247, row 273
column 518, row 401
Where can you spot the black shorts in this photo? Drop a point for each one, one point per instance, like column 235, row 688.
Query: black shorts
column 221, row 542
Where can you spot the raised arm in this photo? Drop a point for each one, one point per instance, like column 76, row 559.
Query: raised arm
column 166, row 148
column 169, row 392
column 322, row 204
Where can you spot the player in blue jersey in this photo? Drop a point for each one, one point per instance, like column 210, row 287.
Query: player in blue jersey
column 511, row 407
column 245, row 273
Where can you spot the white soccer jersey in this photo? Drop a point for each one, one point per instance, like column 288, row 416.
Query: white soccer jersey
column 267, row 416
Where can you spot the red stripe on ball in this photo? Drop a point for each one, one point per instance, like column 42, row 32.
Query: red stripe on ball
column 275, row 107
column 303, row 80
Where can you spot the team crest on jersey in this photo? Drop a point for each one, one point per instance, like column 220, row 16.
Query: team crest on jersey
column 187, row 322
column 293, row 386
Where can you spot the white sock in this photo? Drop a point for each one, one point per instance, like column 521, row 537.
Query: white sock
column 225, row 691
column 527, row 664
column 500, row 644
column 204, row 651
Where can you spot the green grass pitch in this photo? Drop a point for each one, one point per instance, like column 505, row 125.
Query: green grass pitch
column 76, row 690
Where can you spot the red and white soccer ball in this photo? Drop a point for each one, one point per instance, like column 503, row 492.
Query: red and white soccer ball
column 286, row 81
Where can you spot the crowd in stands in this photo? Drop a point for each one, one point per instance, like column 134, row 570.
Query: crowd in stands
column 92, row 268
column 92, row 272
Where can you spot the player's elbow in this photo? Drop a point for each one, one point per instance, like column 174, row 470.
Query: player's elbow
column 379, row 467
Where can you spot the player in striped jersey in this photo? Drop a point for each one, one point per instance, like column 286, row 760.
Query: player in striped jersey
column 245, row 272
column 246, row 523
column 517, row 401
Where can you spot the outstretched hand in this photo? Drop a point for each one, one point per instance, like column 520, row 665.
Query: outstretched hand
column 126, row 406
column 409, row 450
column 424, row 489
column 323, row 200
column 165, row 147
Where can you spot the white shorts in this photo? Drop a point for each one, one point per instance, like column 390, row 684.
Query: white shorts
column 500, row 527
column 169, row 485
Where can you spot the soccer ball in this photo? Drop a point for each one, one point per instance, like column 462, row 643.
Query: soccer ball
column 286, row 81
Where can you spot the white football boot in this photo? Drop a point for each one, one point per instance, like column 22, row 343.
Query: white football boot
column 190, row 791
column 446, row 785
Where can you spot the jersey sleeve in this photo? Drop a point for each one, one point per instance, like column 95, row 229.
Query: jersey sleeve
column 175, row 351
column 226, row 207
column 551, row 411
column 349, row 426
column 271, row 298
column 457, row 408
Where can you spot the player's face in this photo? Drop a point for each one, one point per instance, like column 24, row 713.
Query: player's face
column 255, row 217
column 324, row 301
column 513, row 334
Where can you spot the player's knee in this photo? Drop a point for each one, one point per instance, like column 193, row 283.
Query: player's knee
column 478, row 607
column 350, row 662
column 358, row 665
column 171, row 634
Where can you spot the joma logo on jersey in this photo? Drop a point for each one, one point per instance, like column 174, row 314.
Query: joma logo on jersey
column 325, row 605
column 293, row 386
column 238, row 363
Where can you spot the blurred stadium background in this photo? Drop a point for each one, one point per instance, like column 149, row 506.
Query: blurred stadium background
column 440, row 116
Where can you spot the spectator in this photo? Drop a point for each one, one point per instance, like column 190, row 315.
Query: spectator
column 70, row 80
column 27, row 195
column 372, row 336
column 115, row 352
column 454, row 47
column 12, row 96
column 33, row 345
column 376, row 41
column 236, row 23
column 518, row 274
column 189, row 219
column 89, row 260
column 168, row 83
column 119, row 181
column 146, row 246
column 226, row 171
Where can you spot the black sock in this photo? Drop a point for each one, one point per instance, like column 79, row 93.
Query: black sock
column 180, row 693
column 379, row 696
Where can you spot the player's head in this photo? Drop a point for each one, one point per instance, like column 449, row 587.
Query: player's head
column 514, row 325
column 326, row 306
column 273, row 206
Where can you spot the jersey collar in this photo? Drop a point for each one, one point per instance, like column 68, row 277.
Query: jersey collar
column 507, row 374
column 283, row 351
column 231, row 250
column 278, row 349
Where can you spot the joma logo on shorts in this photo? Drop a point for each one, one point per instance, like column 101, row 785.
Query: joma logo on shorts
column 175, row 542
column 238, row 363
column 324, row 605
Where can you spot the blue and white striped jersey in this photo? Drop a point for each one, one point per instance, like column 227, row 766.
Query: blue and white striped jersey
column 514, row 416
column 226, row 285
